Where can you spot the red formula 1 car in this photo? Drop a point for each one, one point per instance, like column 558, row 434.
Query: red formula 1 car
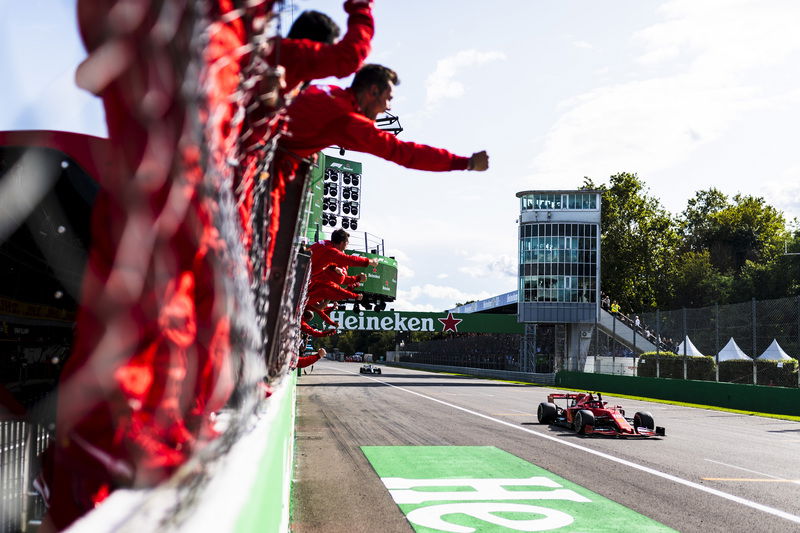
column 588, row 414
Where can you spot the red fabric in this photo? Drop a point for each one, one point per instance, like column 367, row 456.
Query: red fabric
column 150, row 359
column 307, row 360
column 303, row 61
column 326, row 290
column 323, row 313
column 324, row 255
column 327, row 285
column 306, row 60
column 309, row 330
column 337, row 275
column 326, row 115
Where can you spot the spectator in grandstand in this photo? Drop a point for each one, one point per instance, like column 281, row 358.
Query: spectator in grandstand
column 615, row 308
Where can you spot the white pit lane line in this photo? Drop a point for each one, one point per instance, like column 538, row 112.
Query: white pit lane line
column 743, row 501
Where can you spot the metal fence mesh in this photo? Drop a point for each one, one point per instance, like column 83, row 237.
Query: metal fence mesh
column 655, row 347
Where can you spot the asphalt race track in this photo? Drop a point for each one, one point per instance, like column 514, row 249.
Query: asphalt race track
column 714, row 471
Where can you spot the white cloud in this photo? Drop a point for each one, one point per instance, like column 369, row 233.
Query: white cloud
column 445, row 296
column 687, row 91
column 784, row 192
column 582, row 44
column 441, row 84
column 442, row 276
column 487, row 265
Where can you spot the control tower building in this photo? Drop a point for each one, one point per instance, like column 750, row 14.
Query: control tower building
column 559, row 277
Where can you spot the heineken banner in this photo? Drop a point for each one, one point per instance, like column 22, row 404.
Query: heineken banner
column 411, row 321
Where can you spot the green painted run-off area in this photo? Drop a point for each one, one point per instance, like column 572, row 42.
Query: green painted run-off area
column 462, row 489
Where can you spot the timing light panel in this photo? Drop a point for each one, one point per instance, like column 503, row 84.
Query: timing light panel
column 341, row 203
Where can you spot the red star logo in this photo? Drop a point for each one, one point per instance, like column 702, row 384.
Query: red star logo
column 450, row 323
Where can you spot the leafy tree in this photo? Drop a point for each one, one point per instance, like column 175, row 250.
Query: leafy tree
column 746, row 230
column 639, row 240
column 697, row 283
column 696, row 222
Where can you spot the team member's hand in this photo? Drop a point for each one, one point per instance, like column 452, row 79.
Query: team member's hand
column 373, row 262
column 479, row 161
column 351, row 5
column 362, row 278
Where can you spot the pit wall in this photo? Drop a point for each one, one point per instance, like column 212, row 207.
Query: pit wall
column 248, row 489
column 757, row 398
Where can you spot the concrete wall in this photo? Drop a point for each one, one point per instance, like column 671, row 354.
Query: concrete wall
column 776, row 400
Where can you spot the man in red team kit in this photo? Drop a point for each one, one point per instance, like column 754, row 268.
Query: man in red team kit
column 329, row 266
column 307, row 53
column 326, row 115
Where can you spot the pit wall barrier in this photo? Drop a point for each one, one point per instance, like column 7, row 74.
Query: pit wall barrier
column 248, row 489
column 757, row 398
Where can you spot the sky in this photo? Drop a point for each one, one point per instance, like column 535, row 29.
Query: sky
column 688, row 94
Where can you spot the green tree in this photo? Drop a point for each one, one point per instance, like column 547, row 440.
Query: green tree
column 747, row 229
column 697, row 283
column 696, row 219
column 639, row 241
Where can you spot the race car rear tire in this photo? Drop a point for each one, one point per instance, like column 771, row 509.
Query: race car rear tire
column 378, row 371
column 643, row 419
column 546, row 413
column 583, row 418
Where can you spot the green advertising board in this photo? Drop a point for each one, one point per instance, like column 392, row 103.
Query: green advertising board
column 381, row 279
column 431, row 322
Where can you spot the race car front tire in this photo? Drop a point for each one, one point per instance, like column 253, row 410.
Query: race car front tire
column 378, row 371
column 643, row 419
column 546, row 413
column 583, row 418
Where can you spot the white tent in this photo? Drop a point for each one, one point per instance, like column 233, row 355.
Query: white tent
column 732, row 351
column 691, row 349
column 774, row 353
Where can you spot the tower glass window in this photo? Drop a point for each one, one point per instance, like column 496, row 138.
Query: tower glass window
column 555, row 266
column 559, row 245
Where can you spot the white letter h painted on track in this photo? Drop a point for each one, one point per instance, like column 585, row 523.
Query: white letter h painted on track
column 403, row 490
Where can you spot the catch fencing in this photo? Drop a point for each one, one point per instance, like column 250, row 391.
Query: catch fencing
column 754, row 326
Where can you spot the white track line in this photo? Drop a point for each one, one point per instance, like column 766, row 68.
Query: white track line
column 752, row 471
column 664, row 475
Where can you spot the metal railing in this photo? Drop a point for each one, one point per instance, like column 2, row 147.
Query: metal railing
column 21, row 443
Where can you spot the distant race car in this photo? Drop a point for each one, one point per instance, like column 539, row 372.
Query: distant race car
column 588, row 414
column 369, row 369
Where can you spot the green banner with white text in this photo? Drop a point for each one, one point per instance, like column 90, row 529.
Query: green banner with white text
column 426, row 322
